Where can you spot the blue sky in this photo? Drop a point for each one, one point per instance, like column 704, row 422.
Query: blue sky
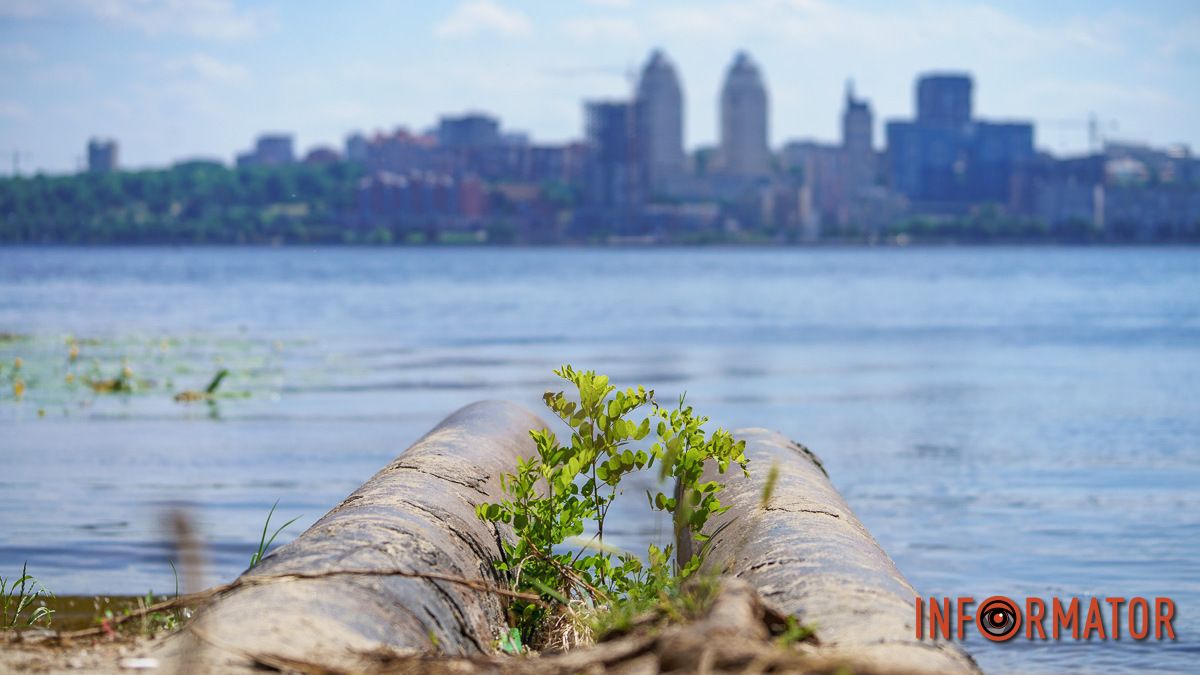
column 182, row 78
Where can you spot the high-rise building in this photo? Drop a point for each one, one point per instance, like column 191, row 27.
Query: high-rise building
column 269, row 150
column 102, row 155
column 744, row 147
column 999, row 151
column 857, row 146
column 944, row 98
column 473, row 130
column 857, row 123
column 659, row 121
column 945, row 160
column 356, row 148
column 611, row 174
column 274, row 149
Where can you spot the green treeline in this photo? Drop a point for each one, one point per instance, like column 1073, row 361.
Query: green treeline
column 191, row 203
column 208, row 203
column 988, row 224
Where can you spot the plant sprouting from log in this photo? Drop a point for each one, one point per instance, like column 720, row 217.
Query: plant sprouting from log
column 568, row 488
column 264, row 543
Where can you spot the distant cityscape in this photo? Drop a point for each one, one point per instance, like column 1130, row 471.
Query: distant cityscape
column 630, row 179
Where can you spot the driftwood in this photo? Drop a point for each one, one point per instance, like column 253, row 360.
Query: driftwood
column 809, row 556
column 412, row 520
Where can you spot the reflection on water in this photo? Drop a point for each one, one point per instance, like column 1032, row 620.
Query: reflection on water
column 1017, row 422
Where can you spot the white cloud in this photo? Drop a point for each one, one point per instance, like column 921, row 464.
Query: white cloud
column 484, row 16
column 209, row 68
column 601, row 28
column 610, row 3
column 211, row 19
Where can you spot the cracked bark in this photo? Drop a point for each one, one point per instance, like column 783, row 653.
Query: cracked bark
column 400, row 519
column 807, row 551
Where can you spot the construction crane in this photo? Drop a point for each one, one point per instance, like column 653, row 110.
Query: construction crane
column 17, row 156
column 1097, row 129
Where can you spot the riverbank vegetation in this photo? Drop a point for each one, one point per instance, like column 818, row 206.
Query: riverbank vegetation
column 189, row 203
column 22, row 601
column 25, row 602
column 59, row 375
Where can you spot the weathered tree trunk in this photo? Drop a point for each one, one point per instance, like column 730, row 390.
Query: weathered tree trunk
column 353, row 609
column 415, row 515
column 809, row 556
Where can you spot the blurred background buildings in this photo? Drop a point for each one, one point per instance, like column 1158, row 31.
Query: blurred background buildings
column 946, row 173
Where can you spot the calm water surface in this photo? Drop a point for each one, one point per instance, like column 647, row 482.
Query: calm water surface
column 1006, row 421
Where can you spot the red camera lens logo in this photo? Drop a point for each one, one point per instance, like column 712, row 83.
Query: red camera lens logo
column 998, row 618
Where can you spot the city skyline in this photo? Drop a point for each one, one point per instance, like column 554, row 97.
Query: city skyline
column 204, row 78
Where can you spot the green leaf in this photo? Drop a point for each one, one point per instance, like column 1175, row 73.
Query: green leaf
column 510, row 642
column 565, row 490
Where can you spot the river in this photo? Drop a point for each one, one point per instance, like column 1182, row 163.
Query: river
column 1020, row 421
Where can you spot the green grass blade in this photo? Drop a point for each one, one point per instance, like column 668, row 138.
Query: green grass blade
column 281, row 529
column 216, row 381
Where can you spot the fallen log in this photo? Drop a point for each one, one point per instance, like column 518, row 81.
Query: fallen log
column 388, row 570
column 808, row 555
column 400, row 576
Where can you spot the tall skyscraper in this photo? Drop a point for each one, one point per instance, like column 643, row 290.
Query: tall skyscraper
column 857, row 123
column 658, row 109
column 944, row 98
column 857, row 146
column 945, row 160
column 744, row 147
column 356, row 148
column 611, row 173
column 102, row 155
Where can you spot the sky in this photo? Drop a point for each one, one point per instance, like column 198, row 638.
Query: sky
column 176, row 79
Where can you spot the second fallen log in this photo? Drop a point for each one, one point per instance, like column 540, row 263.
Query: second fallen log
column 808, row 555
column 416, row 515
